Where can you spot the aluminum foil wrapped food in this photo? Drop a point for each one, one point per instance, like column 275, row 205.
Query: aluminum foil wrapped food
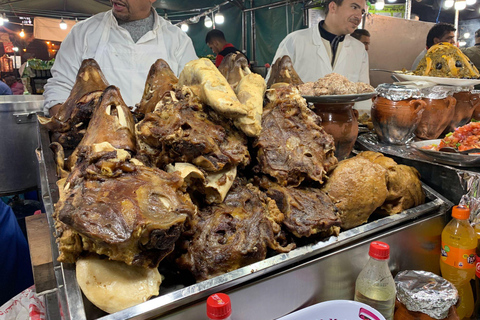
column 462, row 88
column 398, row 92
column 437, row 92
column 470, row 182
column 425, row 292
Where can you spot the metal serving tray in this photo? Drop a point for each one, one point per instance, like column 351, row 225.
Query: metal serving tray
column 175, row 297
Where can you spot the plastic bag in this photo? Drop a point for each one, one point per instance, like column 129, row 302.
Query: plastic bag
column 25, row 305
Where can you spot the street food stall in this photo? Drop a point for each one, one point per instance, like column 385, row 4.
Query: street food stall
column 296, row 263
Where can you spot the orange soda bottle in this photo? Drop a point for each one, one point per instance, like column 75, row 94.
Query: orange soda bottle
column 457, row 261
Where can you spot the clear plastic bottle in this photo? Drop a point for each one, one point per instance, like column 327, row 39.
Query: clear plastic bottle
column 375, row 285
column 457, row 261
column 219, row 307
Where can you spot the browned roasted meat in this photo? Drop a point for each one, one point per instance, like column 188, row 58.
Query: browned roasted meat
column 115, row 206
column 160, row 79
column 182, row 129
column 233, row 234
column 112, row 121
column 403, row 183
column 283, row 71
column 69, row 124
column 307, row 211
column 292, row 145
column 234, row 67
column 357, row 187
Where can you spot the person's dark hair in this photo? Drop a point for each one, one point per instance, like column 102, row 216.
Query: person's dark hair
column 338, row 2
column 477, row 33
column 214, row 34
column 358, row 33
column 9, row 80
column 438, row 31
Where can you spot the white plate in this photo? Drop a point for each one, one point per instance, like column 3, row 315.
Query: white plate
column 341, row 98
column 439, row 80
column 336, row 309
column 455, row 159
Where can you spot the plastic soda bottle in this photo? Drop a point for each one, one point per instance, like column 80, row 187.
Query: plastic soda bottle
column 457, row 261
column 375, row 285
column 219, row 307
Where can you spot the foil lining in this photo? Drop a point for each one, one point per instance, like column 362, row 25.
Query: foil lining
column 425, row 292
column 462, row 89
column 397, row 92
column 470, row 182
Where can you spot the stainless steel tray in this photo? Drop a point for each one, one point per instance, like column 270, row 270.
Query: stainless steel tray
column 177, row 296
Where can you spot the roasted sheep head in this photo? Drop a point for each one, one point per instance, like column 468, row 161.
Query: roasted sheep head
column 234, row 67
column 182, row 129
column 357, row 187
column 233, row 234
column 69, row 124
column 293, row 145
column 307, row 211
column 160, row 79
column 111, row 122
column 113, row 205
column 283, row 72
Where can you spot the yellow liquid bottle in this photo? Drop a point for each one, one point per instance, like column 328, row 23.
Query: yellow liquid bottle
column 457, row 261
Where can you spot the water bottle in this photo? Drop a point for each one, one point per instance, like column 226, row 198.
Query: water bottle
column 375, row 285
column 219, row 307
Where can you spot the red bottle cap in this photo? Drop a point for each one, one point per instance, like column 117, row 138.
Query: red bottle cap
column 379, row 250
column 461, row 212
column 219, row 306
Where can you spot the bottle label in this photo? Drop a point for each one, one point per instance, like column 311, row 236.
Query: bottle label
column 458, row 258
column 477, row 267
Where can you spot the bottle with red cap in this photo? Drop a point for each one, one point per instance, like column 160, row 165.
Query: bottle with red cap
column 219, row 307
column 457, row 261
column 375, row 285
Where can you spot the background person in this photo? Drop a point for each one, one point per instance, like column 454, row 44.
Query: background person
column 328, row 47
column 125, row 41
column 473, row 53
column 363, row 36
column 5, row 89
column 216, row 41
column 16, row 87
column 441, row 32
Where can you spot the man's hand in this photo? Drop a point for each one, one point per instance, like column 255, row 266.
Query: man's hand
column 53, row 110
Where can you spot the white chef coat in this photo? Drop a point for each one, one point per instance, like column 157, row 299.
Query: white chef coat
column 311, row 60
column 124, row 63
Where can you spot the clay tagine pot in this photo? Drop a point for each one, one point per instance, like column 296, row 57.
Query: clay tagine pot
column 395, row 121
column 467, row 102
column 436, row 117
column 341, row 121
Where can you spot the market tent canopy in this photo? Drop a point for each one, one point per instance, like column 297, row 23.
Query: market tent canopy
column 48, row 28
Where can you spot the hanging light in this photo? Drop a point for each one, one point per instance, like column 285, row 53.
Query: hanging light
column 448, row 4
column 63, row 25
column 391, row 1
column 15, row 49
column 460, row 4
column 379, row 5
column 76, row 20
column 5, row 18
column 208, row 22
column 184, row 27
column 462, row 43
column 22, row 33
column 466, row 35
column 471, row 2
column 219, row 18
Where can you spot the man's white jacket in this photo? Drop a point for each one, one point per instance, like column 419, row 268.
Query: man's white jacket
column 311, row 60
column 124, row 63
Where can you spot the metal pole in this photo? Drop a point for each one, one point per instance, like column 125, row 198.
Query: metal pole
column 244, row 32
column 408, row 9
column 456, row 25
column 253, row 57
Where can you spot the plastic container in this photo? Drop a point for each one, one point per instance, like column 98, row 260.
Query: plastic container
column 219, row 307
column 375, row 285
column 457, row 261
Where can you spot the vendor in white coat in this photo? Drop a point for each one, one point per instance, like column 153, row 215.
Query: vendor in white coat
column 328, row 47
column 125, row 41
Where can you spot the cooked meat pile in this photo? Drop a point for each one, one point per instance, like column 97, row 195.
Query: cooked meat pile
column 283, row 72
column 234, row 233
column 182, row 129
column 334, row 84
column 234, row 67
column 213, row 208
column 160, row 79
column 69, row 124
column 292, row 145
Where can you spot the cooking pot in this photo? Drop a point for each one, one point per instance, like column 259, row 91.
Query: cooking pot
column 18, row 163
